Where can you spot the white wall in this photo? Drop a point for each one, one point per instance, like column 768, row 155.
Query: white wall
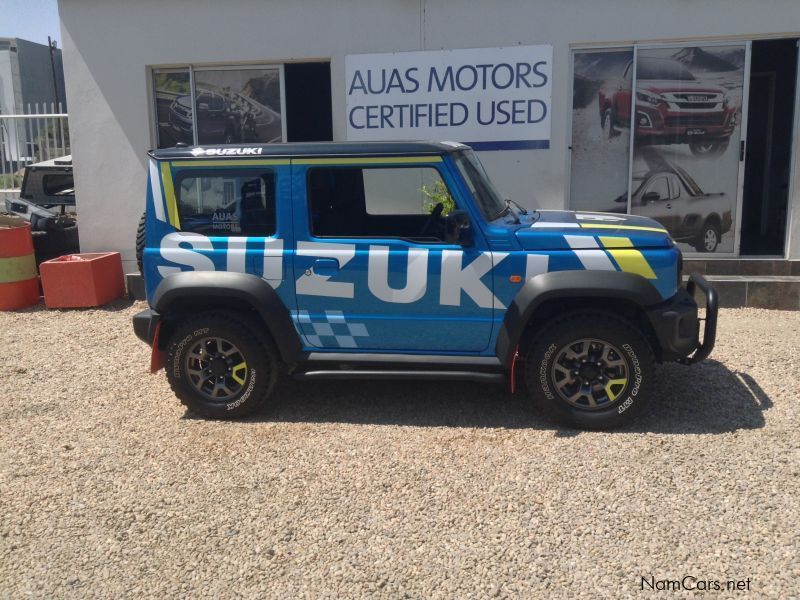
column 108, row 45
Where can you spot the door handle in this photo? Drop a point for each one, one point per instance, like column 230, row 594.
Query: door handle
column 325, row 266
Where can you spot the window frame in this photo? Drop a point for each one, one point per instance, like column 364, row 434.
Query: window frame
column 442, row 172
column 206, row 171
column 154, row 70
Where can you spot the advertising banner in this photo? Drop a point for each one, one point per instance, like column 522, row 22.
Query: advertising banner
column 686, row 142
column 490, row 98
column 601, row 108
column 230, row 106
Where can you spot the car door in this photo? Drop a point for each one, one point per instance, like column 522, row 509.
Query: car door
column 654, row 201
column 622, row 98
column 372, row 271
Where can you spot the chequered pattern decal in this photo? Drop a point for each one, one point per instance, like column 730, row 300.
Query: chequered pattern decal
column 332, row 325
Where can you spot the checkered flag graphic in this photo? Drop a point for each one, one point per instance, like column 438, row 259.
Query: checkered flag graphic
column 332, row 325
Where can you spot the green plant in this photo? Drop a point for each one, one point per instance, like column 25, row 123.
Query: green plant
column 438, row 194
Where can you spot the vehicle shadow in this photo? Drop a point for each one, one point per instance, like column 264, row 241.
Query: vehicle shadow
column 708, row 398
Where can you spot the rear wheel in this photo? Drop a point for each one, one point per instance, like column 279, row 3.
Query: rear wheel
column 219, row 366
column 708, row 238
column 609, row 131
column 590, row 370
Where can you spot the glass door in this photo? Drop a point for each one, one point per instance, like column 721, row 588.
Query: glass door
column 601, row 110
column 687, row 143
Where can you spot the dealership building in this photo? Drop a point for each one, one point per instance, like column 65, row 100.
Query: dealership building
column 684, row 112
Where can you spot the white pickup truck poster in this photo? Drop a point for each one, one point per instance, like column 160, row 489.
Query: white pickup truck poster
column 490, row 98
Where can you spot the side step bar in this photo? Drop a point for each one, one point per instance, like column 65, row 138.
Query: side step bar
column 376, row 374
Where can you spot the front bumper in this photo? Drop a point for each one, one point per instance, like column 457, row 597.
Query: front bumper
column 677, row 325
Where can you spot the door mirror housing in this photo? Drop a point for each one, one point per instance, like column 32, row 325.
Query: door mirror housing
column 650, row 197
column 458, row 229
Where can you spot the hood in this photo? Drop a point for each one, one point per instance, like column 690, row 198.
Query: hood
column 546, row 230
column 660, row 86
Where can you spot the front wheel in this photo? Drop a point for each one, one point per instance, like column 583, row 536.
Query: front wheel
column 590, row 370
column 219, row 366
column 708, row 148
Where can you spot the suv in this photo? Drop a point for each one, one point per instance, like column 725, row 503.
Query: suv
column 672, row 107
column 400, row 260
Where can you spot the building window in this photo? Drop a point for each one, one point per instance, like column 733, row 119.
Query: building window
column 399, row 202
column 227, row 203
column 219, row 105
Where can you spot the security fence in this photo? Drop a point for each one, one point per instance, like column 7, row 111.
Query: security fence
column 39, row 133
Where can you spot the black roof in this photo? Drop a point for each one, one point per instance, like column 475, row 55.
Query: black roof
column 305, row 149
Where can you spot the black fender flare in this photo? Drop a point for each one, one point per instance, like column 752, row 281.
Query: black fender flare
column 568, row 284
column 215, row 289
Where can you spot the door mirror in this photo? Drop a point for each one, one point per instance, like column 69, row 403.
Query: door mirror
column 457, row 228
column 650, row 197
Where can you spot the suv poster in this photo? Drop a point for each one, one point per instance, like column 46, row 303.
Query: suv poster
column 687, row 102
column 232, row 106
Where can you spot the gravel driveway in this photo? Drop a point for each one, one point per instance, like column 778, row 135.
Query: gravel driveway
column 109, row 488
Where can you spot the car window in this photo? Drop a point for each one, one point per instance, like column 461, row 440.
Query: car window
column 659, row 185
column 227, row 203
column 395, row 202
column 662, row 68
column 674, row 187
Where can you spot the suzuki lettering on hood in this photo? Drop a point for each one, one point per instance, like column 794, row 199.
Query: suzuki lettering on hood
column 226, row 151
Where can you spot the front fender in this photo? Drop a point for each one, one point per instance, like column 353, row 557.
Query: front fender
column 195, row 290
column 568, row 284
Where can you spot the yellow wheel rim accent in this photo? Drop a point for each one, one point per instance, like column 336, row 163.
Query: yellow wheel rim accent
column 611, row 383
column 240, row 368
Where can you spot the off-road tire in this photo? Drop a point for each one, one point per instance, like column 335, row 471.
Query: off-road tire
column 140, row 243
column 257, row 350
column 709, row 231
column 546, row 346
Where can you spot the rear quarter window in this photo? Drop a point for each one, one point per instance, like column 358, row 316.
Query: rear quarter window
column 227, row 202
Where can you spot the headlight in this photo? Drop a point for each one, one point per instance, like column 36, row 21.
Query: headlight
column 653, row 99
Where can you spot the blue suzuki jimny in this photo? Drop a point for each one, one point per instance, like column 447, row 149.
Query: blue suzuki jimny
column 400, row 260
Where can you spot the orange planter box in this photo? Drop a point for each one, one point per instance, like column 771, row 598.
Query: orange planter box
column 82, row 280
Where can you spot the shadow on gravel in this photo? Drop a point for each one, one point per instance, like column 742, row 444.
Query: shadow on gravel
column 706, row 398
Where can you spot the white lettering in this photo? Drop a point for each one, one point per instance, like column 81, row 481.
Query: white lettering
column 416, row 275
column 313, row 284
column 455, row 278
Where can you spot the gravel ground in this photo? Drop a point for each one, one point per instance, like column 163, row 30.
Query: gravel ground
column 109, row 488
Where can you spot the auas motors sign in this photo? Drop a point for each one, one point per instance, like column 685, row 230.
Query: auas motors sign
column 491, row 98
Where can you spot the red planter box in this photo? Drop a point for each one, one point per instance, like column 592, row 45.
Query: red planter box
column 82, row 280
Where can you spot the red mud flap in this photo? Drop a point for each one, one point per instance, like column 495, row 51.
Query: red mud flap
column 158, row 358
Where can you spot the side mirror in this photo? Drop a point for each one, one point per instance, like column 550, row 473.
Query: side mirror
column 650, row 197
column 457, row 228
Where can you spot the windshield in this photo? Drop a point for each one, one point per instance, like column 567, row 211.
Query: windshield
column 490, row 202
column 661, row 68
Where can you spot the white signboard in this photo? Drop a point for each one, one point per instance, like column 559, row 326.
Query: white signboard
column 490, row 98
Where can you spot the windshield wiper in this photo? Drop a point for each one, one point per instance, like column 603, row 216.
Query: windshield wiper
column 522, row 210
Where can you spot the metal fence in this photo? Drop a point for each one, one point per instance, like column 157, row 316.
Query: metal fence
column 39, row 133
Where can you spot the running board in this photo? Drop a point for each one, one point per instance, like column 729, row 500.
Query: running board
column 376, row 374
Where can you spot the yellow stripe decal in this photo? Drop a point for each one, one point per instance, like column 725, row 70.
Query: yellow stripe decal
column 232, row 164
column 634, row 227
column 387, row 160
column 17, row 268
column 169, row 194
column 629, row 259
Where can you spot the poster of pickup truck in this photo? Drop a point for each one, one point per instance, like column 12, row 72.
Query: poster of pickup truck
column 686, row 104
